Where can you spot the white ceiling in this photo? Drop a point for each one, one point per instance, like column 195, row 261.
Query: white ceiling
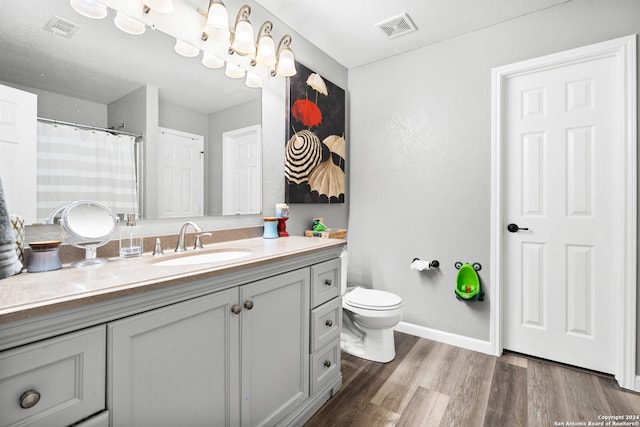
column 346, row 29
column 101, row 63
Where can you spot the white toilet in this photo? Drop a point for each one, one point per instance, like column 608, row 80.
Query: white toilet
column 368, row 318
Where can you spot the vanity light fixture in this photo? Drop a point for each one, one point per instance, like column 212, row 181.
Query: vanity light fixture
column 89, row 8
column 186, row 49
column 211, row 61
column 285, row 65
column 242, row 35
column 217, row 26
column 266, row 49
column 162, row 6
column 233, row 71
column 253, row 80
column 128, row 24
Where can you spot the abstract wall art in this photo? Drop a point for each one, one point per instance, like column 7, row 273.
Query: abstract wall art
column 315, row 153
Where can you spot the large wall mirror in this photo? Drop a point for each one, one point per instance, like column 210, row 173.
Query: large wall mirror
column 94, row 74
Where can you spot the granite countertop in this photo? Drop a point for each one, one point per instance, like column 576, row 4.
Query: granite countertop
column 31, row 294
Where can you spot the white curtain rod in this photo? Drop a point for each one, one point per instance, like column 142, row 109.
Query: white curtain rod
column 59, row 122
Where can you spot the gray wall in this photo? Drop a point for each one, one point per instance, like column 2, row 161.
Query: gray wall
column 66, row 108
column 420, row 156
column 274, row 132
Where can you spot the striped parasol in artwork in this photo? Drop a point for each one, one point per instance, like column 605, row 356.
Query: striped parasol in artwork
column 302, row 154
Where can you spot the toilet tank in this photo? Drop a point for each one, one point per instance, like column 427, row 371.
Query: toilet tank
column 343, row 270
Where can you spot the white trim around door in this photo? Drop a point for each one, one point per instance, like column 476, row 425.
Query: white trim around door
column 625, row 293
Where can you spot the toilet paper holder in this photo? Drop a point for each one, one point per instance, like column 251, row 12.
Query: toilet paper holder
column 432, row 264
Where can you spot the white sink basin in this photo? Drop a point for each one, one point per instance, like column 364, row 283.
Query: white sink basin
column 203, row 258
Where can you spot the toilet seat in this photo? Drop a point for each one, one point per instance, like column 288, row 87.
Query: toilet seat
column 372, row 299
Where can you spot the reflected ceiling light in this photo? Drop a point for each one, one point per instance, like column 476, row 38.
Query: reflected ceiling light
column 186, row 49
column 128, row 25
column 162, row 6
column 211, row 61
column 266, row 53
column 285, row 65
column 233, row 71
column 242, row 37
column 253, row 80
column 89, row 8
column 217, row 26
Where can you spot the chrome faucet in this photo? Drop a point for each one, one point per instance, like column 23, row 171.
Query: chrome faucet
column 181, row 247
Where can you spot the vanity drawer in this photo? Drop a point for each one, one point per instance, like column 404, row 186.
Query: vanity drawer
column 58, row 381
column 325, row 366
column 326, row 323
column 325, row 281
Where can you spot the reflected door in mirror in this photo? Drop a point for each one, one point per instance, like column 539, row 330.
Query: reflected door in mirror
column 242, row 171
column 18, row 158
column 180, row 174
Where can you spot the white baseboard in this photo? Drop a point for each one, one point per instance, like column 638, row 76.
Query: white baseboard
column 637, row 387
column 445, row 337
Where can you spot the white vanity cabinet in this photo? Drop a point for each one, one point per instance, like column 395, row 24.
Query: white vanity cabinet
column 326, row 324
column 55, row 382
column 134, row 344
column 275, row 338
column 234, row 357
column 176, row 365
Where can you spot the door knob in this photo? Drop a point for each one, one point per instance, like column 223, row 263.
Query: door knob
column 513, row 228
column 248, row 305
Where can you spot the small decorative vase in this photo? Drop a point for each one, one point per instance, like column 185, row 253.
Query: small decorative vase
column 282, row 227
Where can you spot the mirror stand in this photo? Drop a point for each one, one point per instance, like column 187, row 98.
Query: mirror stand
column 90, row 257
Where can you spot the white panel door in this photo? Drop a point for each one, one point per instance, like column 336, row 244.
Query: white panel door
column 180, row 174
column 18, row 151
column 562, row 153
column 242, row 171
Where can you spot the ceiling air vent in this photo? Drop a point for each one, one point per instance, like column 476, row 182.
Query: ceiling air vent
column 61, row 27
column 397, row 26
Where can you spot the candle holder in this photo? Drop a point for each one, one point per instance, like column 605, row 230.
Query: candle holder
column 282, row 227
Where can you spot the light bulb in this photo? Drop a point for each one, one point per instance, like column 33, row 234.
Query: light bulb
column 186, row 49
column 233, row 71
column 128, row 24
column 162, row 6
column 253, row 80
column 89, row 8
column 217, row 26
column 211, row 61
column 266, row 54
column 286, row 66
column 243, row 38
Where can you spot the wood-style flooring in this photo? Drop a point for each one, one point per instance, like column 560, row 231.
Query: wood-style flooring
column 435, row 384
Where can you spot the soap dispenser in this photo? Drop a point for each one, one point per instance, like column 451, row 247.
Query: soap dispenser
column 130, row 238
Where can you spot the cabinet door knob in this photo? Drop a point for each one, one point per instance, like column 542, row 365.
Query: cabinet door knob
column 327, row 363
column 329, row 323
column 236, row 309
column 248, row 305
column 328, row 282
column 29, row 399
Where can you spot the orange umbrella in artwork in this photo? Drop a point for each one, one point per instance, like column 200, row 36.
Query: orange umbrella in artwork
column 306, row 112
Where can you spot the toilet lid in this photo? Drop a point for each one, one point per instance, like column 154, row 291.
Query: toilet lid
column 372, row 299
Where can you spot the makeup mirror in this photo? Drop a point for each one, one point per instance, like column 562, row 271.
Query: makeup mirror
column 89, row 225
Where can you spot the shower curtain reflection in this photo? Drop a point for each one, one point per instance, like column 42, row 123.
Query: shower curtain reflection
column 78, row 164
